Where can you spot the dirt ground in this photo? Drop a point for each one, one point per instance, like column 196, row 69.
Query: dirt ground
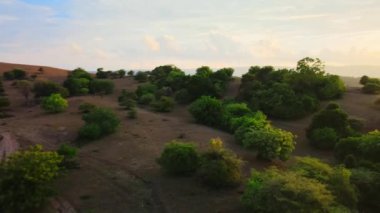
column 119, row 173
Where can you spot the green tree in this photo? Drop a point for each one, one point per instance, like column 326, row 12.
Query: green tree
column 54, row 103
column 26, row 178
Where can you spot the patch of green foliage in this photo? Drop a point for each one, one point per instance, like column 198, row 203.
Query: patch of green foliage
column 55, row 103
column 179, row 158
column 328, row 126
column 163, row 104
column 289, row 94
column 78, row 82
column 370, row 85
column 45, row 88
column 101, row 86
column 26, row 179
column 220, row 167
column 15, row 74
column 98, row 123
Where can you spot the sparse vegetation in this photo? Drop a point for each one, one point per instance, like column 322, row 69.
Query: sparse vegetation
column 101, row 86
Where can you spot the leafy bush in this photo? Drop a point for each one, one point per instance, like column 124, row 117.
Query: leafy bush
column 15, row 74
column 365, row 147
column 86, row 107
column 99, row 122
column 68, row 153
column 141, row 77
column 78, row 82
column 367, row 183
column 164, row 104
column 183, row 96
column 54, row 103
column 179, row 158
column 90, row 132
column 207, row 110
column 127, row 99
column 45, row 88
column 332, row 117
column 4, row 102
column 26, row 178
column 102, row 86
column 276, row 191
column 324, row 138
column 289, row 94
column 337, row 179
column 220, row 167
column 371, row 88
column 132, row 113
column 147, row 88
column 270, row 143
column 147, row 99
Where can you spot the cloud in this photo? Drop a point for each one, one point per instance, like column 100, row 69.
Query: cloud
column 152, row 43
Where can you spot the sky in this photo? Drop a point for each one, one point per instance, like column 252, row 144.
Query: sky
column 142, row 34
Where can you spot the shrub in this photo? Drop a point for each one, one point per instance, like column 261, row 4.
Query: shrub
column 4, row 102
column 86, row 107
column 54, row 103
column 146, row 99
column 182, row 96
column 141, row 77
column 207, row 110
column 77, row 86
column 68, row 153
column 331, row 117
column 371, row 88
column 26, row 178
column 102, row 86
column 99, row 122
column 179, row 158
column 164, row 104
column 367, row 183
column 15, row 74
column 90, row 132
column 132, row 113
column 364, row 147
column 324, row 138
column 277, row 191
column 127, row 99
column 337, row 179
column 146, row 89
column 270, row 143
column 220, row 167
column 45, row 88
